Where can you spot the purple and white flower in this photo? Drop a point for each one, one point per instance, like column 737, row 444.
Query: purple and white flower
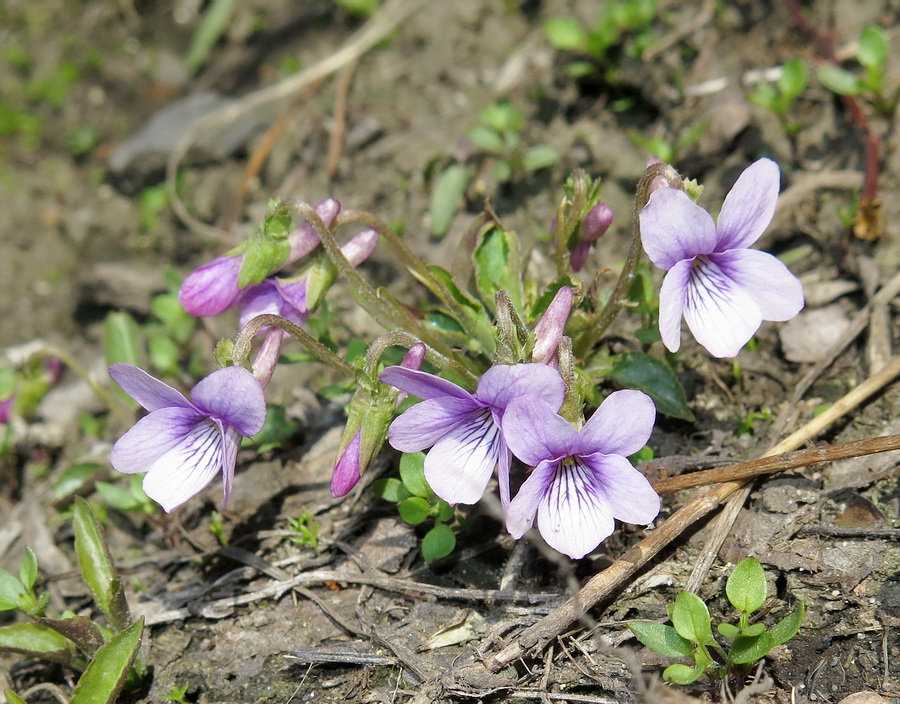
column 581, row 480
column 463, row 429
column 723, row 289
column 183, row 444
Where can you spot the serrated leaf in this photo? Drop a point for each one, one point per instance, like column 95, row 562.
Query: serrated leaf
column 747, row 649
column 682, row 674
column 746, row 587
column 497, row 266
column 414, row 510
column 690, row 617
column 839, row 81
column 390, row 489
column 638, row 370
column 96, row 565
column 412, row 472
column 439, row 542
column 789, row 626
column 103, row 679
column 448, row 191
column 663, row 639
column 873, row 46
column 28, row 570
column 36, row 641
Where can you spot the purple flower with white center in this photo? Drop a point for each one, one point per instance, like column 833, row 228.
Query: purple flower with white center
column 723, row 289
column 183, row 444
column 581, row 480
column 463, row 429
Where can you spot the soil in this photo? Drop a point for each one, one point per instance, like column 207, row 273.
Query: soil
column 81, row 165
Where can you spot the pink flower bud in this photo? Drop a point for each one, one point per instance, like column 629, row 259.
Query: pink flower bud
column 596, row 222
column 548, row 332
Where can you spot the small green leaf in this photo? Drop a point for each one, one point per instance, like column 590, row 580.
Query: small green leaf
column 36, row 641
column 74, row 478
column 438, row 542
column 638, row 370
column 103, row 679
column 682, row 674
column 11, row 588
column 117, row 497
column 747, row 649
column 448, row 191
column 486, row 139
column 793, row 79
column 497, row 266
column 121, row 344
column 414, row 510
column 540, row 157
column 565, row 33
column 755, row 629
column 13, row 698
column 390, row 489
column 28, row 570
column 728, row 630
column 746, row 586
column 873, row 46
column 213, row 25
column 163, row 353
column 789, row 626
column 662, row 639
column 445, row 511
column 690, row 617
column 412, row 472
column 839, row 81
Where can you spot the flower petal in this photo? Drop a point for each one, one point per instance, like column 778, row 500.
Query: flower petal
column 534, row 432
column 261, row 299
column 234, row 396
column 777, row 292
column 153, row 436
column 620, row 426
column 232, row 443
column 574, row 516
column 672, row 297
column 503, row 382
column 422, row 425
column 422, row 384
column 212, row 288
column 749, row 206
column 673, row 228
column 147, row 390
column 627, row 491
column 522, row 509
column 459, row 466
column 346, row 471
column 721, row 314
column 186, row 468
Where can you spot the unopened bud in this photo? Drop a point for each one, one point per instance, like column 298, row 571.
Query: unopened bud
column 548, row 332
column 596, row 222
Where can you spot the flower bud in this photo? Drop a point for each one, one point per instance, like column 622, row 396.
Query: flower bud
column 411, row 360
column 548, row 332
column 212, row 288
column 596, row 222
column 304, row 239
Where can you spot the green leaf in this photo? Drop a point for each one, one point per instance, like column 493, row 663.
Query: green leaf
column 28, row 570
column 448, row 191
column 13, row 698
column 213, row 25
column 79, row 629
column 96, row 565
column 682, row 674
column 439, row 542
column 663, row 639
column 750, row 648
column 540, row 157
column 103, row 679
column 638, row 370
column 11, row 588
column 178, row 322
column 74, row 478
column 754, row 630
column 36, row 641
column 486, row 139
column 163, row 353
column 8, row 379
column 445, row 511
column 414, row 510
column 793, row 79
column 746, row 586
column 497, row 266
column 121, row 344
column 690, row 617
column 117, row 497
column 789, row 626
column 390, row 489
column 565, row 33
column 728, row 630
column 873, row 46
column 839, row 81
column 412, row 472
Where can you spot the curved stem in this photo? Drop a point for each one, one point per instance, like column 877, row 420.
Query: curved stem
column 399, row 338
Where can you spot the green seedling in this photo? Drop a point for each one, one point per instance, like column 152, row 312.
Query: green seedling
column 872, row 54
column 779, row 96
column 667, row 150
column 307, row 529
column 217, row 528
column 417, row 504
column 690, row 636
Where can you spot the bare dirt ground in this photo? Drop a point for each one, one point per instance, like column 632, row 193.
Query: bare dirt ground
column 265, row 619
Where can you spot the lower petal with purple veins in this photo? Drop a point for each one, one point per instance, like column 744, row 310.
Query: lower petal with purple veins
column 630, row 496
column 459, row 466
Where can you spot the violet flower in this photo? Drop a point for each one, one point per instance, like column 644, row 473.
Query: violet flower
column 183, row 444
column 723, row 289
column 581, row 480
column 463, row 429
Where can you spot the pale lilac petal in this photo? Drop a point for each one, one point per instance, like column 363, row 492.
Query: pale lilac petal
column 422, row 384
column 212, row 288
column 523, row 508
column 749, row 206
column 672, row 297
column 459, row 466
column 422, row 425
column 261, row 299
column 504, row 462
column 346, row 472
column 153, row 436
column 293, row 293
column 673, row 228
column 721, row 315
column 503, row 382
column 534, row 432
column 232, row 442
column 187, row 468
column 234, row 396
column 360, row 246
column 147, row 390
column 548, row 332
column 574, row 516
column 621, row 426
column 777, row 292
column 627, row 491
